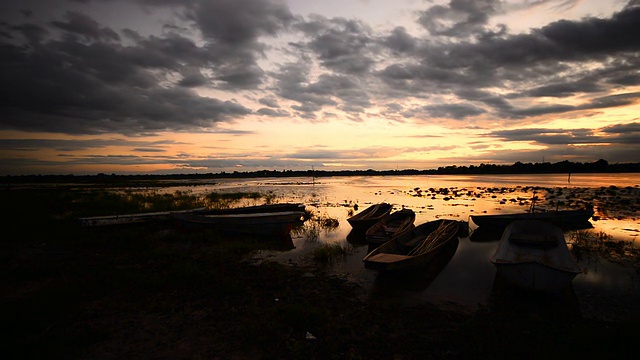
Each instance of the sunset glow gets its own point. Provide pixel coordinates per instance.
(138, 87)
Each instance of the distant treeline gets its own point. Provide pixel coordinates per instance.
(563, 167)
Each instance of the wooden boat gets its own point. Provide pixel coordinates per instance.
(565, 219)
(414, 248)
(133, 218)
(363, 220)
(259, 223)
(397, 222)
(166, 215)
(533, 255)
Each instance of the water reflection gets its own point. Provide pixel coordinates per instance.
(483, 234)
(508, 299)
(357, 237)
(390, 284)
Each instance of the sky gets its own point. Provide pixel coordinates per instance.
(210, 86)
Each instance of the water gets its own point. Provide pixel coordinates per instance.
(609, 287)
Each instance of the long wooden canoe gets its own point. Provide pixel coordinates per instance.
(264, 223)
(132, 218)
(564, 219)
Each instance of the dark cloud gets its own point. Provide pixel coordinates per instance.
(399, 41)
(342, 45)
(87, 81)
(564, 89)
(292, 83)
(233, 29)
(86, 27)
(622, 128)
(66, 72)
(550, 136)
(596, 36)
(553, 61)
(455, 111)
(460, 18)
(273, 112)
(238, 22)
(614, 137)
(271, 102)
(74, 145)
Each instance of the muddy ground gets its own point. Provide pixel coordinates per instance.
(153, 292)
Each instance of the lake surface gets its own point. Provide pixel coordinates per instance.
(608, 288)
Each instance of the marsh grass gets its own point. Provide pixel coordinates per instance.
(327, 253)
(314, 224)
(592, 247)
(223, 200)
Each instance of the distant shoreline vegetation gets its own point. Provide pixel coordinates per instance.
(563, 167)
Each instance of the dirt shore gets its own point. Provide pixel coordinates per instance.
(148, 292)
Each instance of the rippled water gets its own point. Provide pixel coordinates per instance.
(608, 288)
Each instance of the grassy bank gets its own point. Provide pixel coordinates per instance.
(150, 291)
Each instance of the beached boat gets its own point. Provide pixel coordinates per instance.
(363, 220)
(415, 248)
(565, 219)
(133, 218)
(533, 255)
(259, 223)
(397, 222)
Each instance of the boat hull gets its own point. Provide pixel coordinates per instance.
(565, 219)
(393, 224)
(369, 216)
(272, 224)
(533, 255)
(132, 218)
(535, 277)
(394, 255)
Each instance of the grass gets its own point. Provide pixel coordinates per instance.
(326, 253)
(314, 224)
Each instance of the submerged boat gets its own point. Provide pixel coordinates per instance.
(533, 255)
(415, 248)
(363, 220)
(393, 224)
(564, 219)
(259, 223)
(133, 218)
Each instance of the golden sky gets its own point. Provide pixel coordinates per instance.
(138, 86)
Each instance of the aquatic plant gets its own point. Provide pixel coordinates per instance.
(313, 224)
(593, 247)
(329, 252)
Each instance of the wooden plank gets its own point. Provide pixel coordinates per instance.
(387, 258)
